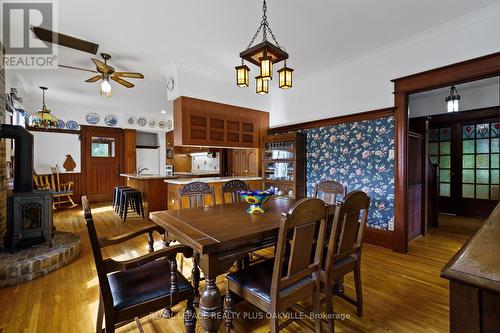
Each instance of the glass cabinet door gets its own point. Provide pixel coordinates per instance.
(279, 171)
(279, 150)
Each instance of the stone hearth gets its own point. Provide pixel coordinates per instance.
(31, 263)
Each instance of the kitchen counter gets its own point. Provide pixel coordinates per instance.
(196, 174)
(184, 181)
(147, 176)
(174, 185)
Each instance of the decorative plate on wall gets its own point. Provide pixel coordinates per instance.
(92, 118)
(60, 123)
(72, 125)
(142, 121)
(162, 124)
(169, 124)
(111, 120)
(131, 120)
(152, 123)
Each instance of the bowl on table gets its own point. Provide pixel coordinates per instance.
(255, 199)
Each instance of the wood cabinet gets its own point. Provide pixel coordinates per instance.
(129, 151)
(243, 162)
(204, 123)
(283, 164)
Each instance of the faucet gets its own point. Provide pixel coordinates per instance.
(141, 170)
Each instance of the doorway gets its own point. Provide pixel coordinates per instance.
(101, 161)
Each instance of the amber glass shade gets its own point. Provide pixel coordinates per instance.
(42, 119)
(242, 73)
(285, 77)
(262, 86)
(266, 68)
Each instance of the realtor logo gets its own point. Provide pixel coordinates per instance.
(23, 50)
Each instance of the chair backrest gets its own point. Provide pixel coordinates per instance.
(96, 250)
(302, 222)
(349, 221)
(196, 193)
(330, 191)
(44, 182)
(231, 189)
(55, 172)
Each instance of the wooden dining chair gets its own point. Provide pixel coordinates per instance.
(137, 287)
(231, 188)
(343, 254)
(276, 285)
(330, 191)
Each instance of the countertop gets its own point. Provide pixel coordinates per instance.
(146, 176)
(196, 173)
(185, 181)
(477, 261)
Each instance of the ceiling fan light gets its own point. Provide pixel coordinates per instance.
(261, 85)
(285, 77)
(242, 76)
(105, 88)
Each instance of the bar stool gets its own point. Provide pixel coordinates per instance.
(131, 199)
(116, 196)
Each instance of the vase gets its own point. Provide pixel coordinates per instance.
(69, 163)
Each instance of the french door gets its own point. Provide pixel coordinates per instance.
(468, 157)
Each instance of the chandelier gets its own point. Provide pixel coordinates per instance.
(43, 118)
(264, 55)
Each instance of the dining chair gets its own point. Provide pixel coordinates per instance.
(330, 191)
(195, 194)
(276, 285)
(343, 254)
(137, 287)
(231, 188)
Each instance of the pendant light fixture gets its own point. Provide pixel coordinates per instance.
(43, 118)
(264, 55)
(105, 89)
(452, 100)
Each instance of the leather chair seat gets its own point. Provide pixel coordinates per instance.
(257, 280)
(342, 266)
(143, 283)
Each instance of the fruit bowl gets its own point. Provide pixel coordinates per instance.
(255, 199)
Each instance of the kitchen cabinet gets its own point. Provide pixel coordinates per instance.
(244, 162)
(203, 123)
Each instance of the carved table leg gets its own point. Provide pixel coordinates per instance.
(196, 279)
(210, 307)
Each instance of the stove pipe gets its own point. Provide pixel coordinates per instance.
(23, 164)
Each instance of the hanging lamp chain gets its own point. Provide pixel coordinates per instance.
(264, 27)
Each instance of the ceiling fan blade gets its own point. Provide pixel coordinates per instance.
(94, 78)
(65, 40)
(101, 67)
(122, 81)
(79, 69)
(129, 74)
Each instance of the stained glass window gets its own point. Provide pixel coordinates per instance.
(440, 153)
(480, 166)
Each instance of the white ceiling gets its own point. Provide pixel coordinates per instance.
(150, 36)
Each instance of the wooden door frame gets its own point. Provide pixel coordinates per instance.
(470, 70)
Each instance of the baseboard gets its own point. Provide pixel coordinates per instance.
(378, 237)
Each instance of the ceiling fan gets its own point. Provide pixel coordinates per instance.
(106, 72)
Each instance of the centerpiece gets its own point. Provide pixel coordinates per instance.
(256, 199)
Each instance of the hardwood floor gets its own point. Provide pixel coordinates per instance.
(402, 293)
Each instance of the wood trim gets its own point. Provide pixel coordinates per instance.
(378, 237)
(470, 70)
(462, 116)
(52, 130)
(368, 115)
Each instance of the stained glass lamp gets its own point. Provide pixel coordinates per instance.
(43, 118)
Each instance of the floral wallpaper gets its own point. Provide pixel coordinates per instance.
(359, 155)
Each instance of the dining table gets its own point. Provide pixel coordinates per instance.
(220, 235)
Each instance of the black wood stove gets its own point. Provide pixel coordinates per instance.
(29, 213)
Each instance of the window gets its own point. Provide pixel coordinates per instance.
(480, 166)
(440, 153)
(102, 147)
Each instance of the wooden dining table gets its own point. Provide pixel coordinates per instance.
(221, 235)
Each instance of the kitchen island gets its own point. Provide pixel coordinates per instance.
(153, 188)
(217, 182)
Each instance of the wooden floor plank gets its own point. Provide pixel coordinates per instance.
(402, 293)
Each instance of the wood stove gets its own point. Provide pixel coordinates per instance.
(29, 213)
